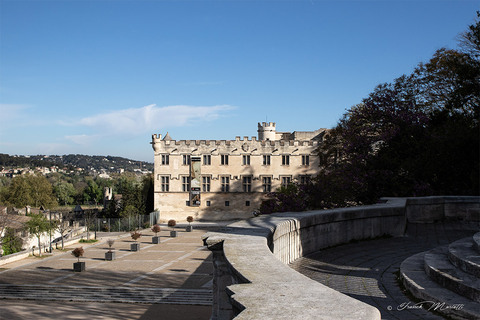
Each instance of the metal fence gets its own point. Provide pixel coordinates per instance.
(120, 224)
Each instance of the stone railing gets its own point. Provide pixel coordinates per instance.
(253, 281)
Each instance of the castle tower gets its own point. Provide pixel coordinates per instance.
(266, 131)
(107, 196)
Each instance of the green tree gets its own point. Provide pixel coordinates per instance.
(65, 192)
(64, 226)
(131, 190)
(11, 243)
(129, 211)
(38, 225)
(147, 193)
(93, 192)
(29, 190)
(112, 210)
(416, 136)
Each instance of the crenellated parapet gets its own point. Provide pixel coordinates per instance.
(235, 174)
(239, 145)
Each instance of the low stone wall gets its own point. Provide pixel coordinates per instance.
(253, 281)
(431, 209)
(26, 253)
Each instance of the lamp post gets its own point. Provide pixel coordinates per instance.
(50, 231)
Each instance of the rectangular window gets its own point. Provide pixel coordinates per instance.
(224, 159)
(186, 160)
(165, 183)
(304, 179)
(286, 181)
(246, 160)
(285, 160)
(227, 203)
(185, 184)
(266, 160)
(305, 160)
(165, 159)
(187, 203)
(208, 203)
(207, 160)
(247, 203)
(267, 184)
(206, 184)
(247, 184)
(225, 181)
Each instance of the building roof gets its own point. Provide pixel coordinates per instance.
(13, 221)
(167, 137)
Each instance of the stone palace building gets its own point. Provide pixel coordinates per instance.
(227, 179)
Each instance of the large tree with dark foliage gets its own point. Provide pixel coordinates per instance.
(416, 136)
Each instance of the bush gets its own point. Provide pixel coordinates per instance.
(135, 235)
(88, 241)
(110, 243)
(172, 223)
(78, 252)
(156, 229)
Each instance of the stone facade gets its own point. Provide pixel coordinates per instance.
(235, 175)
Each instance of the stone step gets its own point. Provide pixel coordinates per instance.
(441, 270)
(476, 241)
(463, 255)
(432, 295)
(108, 294)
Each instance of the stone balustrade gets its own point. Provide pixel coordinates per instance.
(253, 281)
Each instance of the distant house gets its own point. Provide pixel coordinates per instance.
(15, 222)
(78, 211)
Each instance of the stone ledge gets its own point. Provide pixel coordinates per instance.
(251, 275)
(431, 209)
(462, 254)
(416, 281)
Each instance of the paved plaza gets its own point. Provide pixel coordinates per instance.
(170, 280)
(368, 270)
(173, 279)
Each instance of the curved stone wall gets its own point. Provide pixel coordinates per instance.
(253, 281)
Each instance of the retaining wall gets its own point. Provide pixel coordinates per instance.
(253, 281)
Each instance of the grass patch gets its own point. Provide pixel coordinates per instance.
(43, 256)
(88, 241)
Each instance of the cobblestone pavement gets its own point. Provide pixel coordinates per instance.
(167, 278)
(367, 270)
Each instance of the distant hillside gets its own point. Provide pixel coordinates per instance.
(107, 163)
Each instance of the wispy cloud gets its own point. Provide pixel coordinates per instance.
(82, 139)
(10, 112)
(102, 133)
(152, 118)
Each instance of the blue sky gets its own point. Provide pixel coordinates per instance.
(99, 77)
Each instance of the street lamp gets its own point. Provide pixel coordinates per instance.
(50, 231)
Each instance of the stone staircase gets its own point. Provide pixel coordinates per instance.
(107, 294)
(447, 278)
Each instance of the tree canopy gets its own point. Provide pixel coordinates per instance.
(29, 190)
(37, 226)
(416, 136)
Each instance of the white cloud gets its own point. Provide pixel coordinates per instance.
(152, 118)
(10, 112)
(81, 139)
